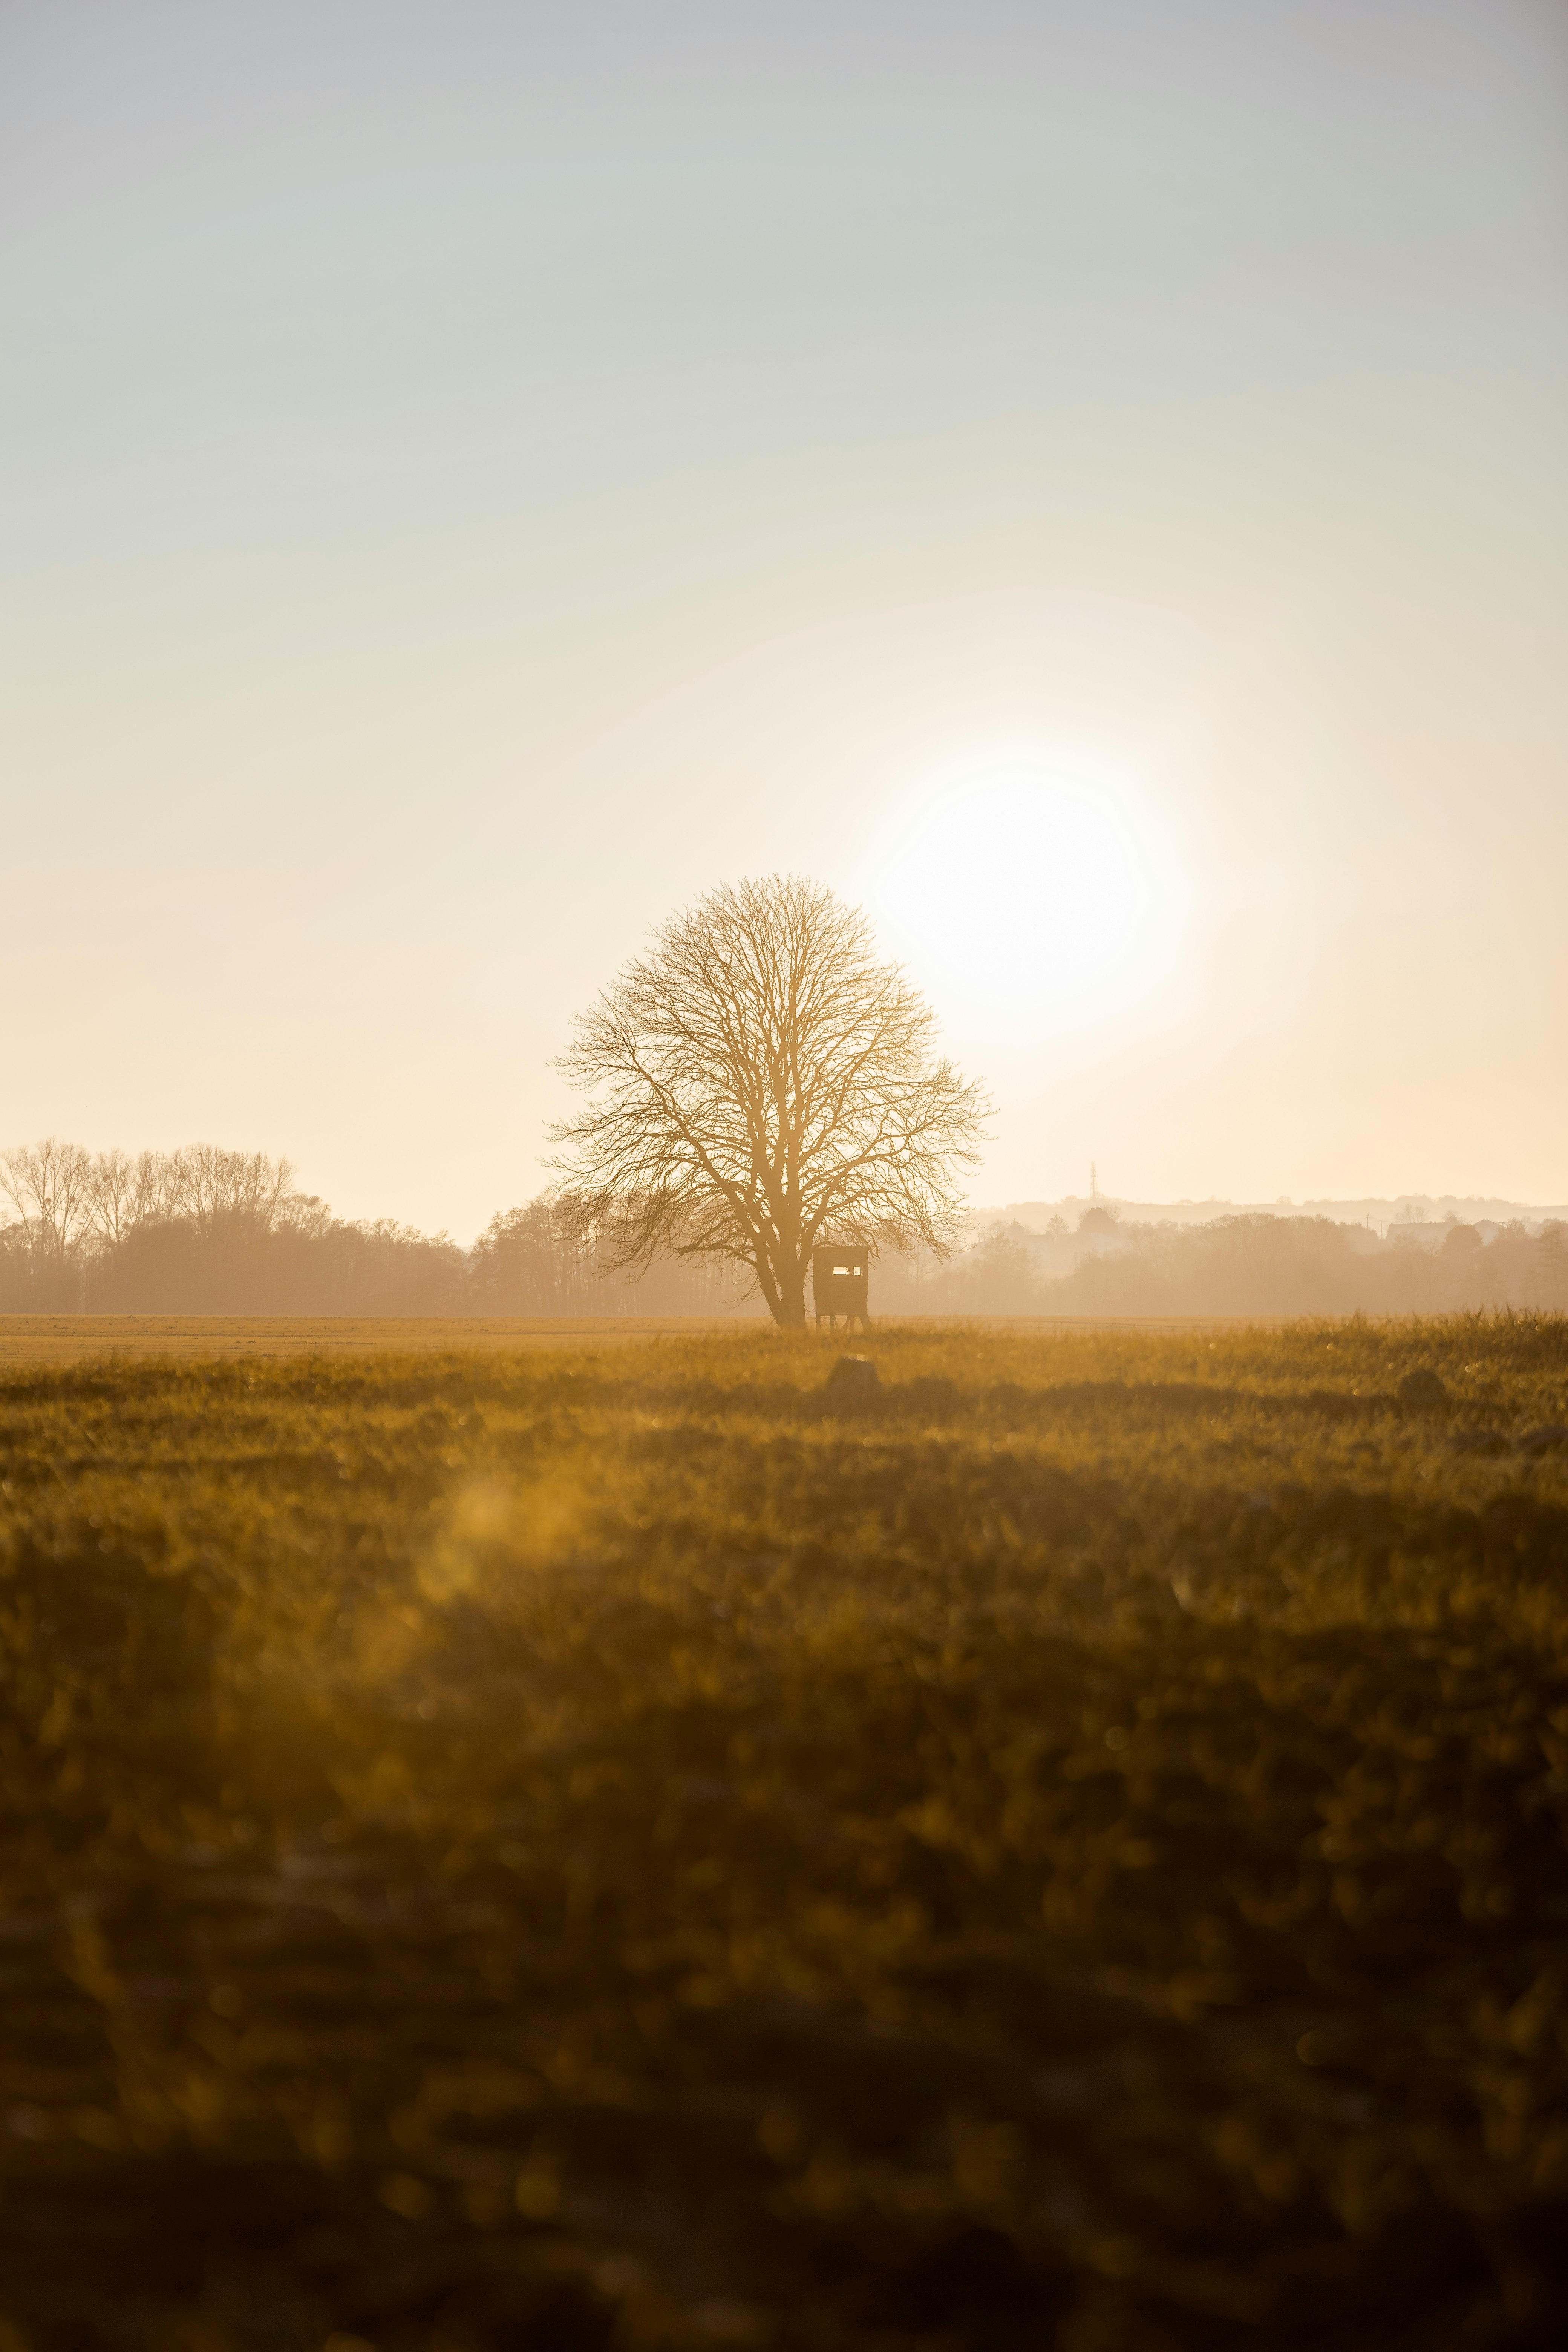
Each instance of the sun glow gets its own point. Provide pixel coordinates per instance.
(1020, 886)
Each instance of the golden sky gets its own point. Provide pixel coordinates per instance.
(1090, 483)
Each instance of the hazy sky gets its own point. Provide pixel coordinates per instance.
(1088, 481)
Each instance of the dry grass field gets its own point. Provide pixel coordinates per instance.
(560, 1848)
(40, 1339)
(27, 1340)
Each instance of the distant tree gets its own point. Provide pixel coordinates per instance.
(214, 1187)
(49, 1185)
(1000, 1276)
(759, 1082)
(124, 1194)
(1099, 1219)
(531, 1261)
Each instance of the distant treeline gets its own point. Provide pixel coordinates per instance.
(1248, 1265)
(209, 1231)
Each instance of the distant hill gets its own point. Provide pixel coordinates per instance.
(1407, 1208)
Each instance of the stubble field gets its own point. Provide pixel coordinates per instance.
(30, 1342)
(558, 1850)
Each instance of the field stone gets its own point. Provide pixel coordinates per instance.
(852, 1379)
(1422, 1386)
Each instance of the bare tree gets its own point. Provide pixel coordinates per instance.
(123, 1194)
(759, 1082)
(112, 1197)
(214, 1187)
(49, 1187)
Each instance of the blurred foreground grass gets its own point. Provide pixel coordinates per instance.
(558, 1852)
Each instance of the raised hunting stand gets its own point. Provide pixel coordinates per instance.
(840, 1275)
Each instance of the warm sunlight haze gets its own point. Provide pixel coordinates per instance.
(1024, 894)
(476, 476)
(783, 1176)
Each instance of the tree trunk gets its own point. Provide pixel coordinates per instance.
(790, 1312)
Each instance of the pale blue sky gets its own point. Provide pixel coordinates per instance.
(472, 476)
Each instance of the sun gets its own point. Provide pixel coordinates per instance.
(1019, 887)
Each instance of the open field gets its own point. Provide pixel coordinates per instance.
(29, 1339)
(565, 1848)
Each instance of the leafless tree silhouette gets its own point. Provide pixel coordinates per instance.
(49, 1187)
(760, 1081)
(124, 1194)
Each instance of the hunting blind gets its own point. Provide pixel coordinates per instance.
(840, 1281)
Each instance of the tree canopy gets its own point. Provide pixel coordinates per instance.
(761, 1081)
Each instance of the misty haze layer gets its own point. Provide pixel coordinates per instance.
(209, 1231)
